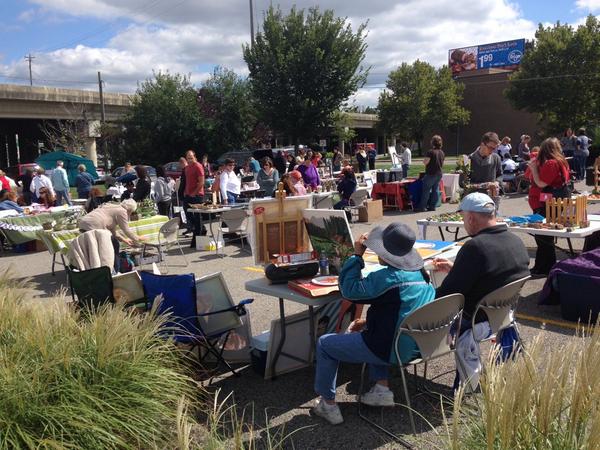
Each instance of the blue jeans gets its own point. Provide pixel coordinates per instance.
(405, 168)
(335, 348)
(580, 161)
(60, 195)
(231, 198)
(429, 193)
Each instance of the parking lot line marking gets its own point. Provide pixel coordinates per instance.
(254, 269)
(558, 323)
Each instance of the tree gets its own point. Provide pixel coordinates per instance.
(558, 78)
(340, 127)
(302, 69)
(225, 103)
(419, 99)
(164, 120)
(69, 135)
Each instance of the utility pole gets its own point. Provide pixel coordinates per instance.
(251, 24)
(103, 122)
(29, 58)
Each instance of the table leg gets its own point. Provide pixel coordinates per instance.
(455, 233)
(281, 340)
(212, 234)
(442, 233)
(570, 247)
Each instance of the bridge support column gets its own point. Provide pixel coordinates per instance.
(90, 150)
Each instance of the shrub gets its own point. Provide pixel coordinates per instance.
(101, 381)
(547, 398)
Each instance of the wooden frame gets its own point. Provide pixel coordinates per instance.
(212, 294)
(569, 212)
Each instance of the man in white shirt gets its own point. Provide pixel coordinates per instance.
(406, 159)
(60, 182)
(39, 181)
(229, 184)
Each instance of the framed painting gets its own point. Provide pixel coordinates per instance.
(212, 294)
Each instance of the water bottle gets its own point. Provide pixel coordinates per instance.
(324, 265)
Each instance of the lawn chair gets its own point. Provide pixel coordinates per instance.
(183, 324)
(236, 221)
(429, 326)
(357, 199)
(168, 236)
(93, 288)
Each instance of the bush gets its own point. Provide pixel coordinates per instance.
(103, 381)
(546, 398)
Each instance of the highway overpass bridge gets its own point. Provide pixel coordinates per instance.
(24, 108)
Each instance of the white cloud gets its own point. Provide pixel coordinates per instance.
(590, 5)
(191, 36)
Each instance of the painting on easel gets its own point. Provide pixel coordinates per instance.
(276, 227)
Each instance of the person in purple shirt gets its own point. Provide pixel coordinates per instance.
(310, 175)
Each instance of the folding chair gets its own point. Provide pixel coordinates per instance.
(499, 306)
(183, 325)
(236, 221)
(429, 326)
(357, 199)
(93, 287)
(168, 235)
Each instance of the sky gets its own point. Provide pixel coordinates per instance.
(128, 40)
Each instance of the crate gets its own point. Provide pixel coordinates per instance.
(371, 211)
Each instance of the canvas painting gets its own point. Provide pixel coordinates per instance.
(212, 295)
(329, 234)
(127, 288)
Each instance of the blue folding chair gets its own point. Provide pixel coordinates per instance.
(183, 326)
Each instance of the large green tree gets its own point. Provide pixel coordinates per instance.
(303, 67)
(226, 105)
(420, 99)
(164, 120)
(559, 76)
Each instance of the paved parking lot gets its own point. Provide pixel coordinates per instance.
(286, 400)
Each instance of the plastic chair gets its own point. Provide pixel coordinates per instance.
(236, 221)
(356, 200)
(93, 287)
(183, 326)
(168, 235)
(429, 326)
(499, 306)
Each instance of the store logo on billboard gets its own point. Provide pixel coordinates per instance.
(515, 56)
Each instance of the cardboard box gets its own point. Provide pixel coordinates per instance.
(371, 211)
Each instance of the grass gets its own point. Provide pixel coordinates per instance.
(102, 381)
(544, 399)
(106, 380)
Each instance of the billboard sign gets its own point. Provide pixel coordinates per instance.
(506, 55)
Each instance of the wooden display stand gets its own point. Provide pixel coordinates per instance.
(569, 212)
(279, 226)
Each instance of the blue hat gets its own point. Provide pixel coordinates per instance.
(395, 245)
(477, 202)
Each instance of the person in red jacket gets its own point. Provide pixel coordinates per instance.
(549, 175)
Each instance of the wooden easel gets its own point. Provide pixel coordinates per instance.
(285, 216)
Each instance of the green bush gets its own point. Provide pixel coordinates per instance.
(103, 381)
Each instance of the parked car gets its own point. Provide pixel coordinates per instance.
(239, 156)
(17, 171)
(121, 171)
(172, 169)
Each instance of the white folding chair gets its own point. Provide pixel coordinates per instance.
(499, 306)
(168, 236)
(430, 327)
(236, 221)
(357, 199)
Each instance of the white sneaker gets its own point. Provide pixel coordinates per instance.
(331, 413)
(378, 396)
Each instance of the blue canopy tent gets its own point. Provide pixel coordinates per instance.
(71, 161)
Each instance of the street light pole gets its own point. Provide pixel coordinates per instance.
(251, 23)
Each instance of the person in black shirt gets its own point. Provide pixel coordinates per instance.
(434, 163)
(142, 187)
(492, 258)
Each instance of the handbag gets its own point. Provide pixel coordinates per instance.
(283, 274)
(563, 191)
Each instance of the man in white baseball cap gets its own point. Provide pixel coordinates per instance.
(492, 258)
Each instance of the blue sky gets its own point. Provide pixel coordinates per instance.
(128, 39)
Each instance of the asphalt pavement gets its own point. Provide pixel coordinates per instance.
(284, 403)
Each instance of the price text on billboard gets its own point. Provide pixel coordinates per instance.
(505, 54)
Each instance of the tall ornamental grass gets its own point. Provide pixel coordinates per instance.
(96, 382)
(547, 398)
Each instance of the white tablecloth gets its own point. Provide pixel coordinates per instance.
(451, 186)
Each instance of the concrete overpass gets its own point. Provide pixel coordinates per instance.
(23, 108)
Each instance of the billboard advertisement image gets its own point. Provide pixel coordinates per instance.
(505, 55)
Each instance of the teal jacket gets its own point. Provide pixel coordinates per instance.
(393, 294)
